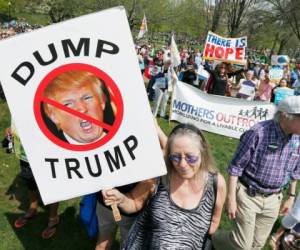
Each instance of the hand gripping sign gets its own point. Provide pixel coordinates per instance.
(80, 107)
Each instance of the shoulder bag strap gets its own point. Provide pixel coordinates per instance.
(215, 186)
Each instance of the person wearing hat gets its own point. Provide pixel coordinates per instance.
(266, 160)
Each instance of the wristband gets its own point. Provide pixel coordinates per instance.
(292, 195)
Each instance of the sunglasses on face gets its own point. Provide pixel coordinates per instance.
(190, 159)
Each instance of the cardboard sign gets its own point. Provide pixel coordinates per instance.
(76, 110)
(217, 114)
(231, 50)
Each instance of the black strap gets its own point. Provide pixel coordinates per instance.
(207, 244)
(215, 186)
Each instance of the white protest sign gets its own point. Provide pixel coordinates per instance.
(160, 83)
(275, 74)
(224, 49)
(280, 60)
(75, 105)
(247, 90)
(221, 115)
(203, 74)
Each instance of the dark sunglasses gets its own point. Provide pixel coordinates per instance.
(190, 159)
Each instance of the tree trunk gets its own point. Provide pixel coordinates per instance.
(274, 44)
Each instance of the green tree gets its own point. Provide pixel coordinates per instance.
(236, 11)
(289, 10)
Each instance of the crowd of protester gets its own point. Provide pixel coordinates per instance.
(14, 27)
(182, 210)
(224, 78)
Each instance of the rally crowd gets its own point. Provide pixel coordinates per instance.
(14, 27)
(182, 210)
(252, 82)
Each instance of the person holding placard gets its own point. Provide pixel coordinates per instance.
(281, 91)
(264, 91)
(163, 86)
(185, 205)
(220, 77)
(247, 87)
(110, 218)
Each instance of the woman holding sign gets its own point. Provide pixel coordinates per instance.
(185, 205)
(265, 89)
(247, 87)
(220, 77)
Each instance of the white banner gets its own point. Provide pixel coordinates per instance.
(232, 50)
(75, 107)
(217, 114)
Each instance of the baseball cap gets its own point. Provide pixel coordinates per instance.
(290, 105)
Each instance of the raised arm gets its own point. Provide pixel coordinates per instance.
(161, 136)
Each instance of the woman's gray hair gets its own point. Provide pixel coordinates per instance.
(288, 116)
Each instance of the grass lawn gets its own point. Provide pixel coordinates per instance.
(70, 233)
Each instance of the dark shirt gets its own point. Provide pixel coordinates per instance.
(189, 77)
(220, 82)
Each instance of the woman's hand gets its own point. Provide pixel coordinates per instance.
(112, 196)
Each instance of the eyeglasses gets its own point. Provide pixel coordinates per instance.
(190, 159)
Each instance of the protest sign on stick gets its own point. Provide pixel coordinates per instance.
(74, 108)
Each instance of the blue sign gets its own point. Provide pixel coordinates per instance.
(282, 93)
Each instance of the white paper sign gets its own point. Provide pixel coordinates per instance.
(280, 60)
(75, 105)
(276, 74)
(232, 50)
(202, 72)
(221, 115)
(247, 90)
(160, 83)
